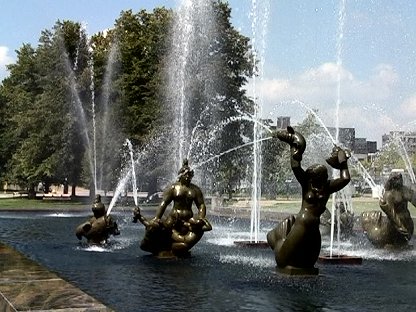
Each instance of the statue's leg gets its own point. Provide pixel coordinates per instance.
(182, 243)
(400, 219)
(371, 219)
(277, 236)
(377, 228)
(156, 239)
(82, 230)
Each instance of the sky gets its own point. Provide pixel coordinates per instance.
(352, 60)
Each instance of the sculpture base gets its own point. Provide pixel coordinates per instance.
(252, 244)
(290, 270)
(391, 247)
(168, 254)
(340, 259)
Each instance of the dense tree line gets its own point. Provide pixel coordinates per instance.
(69, 104)
(115, 78)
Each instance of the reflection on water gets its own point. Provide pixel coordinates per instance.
(218, 277)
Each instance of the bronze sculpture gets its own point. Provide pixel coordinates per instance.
(346, 221)
(176, 234)
(296, 241)
(395, 228)
(99, 227)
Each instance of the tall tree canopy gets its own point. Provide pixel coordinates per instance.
(69, 104)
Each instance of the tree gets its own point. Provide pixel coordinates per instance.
(141, 39)
(19, 92)
(275, 167)
(38, 95)
(68, 72)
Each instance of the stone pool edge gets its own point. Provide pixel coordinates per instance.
(27, 286)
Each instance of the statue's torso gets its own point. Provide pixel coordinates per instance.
(314, 201)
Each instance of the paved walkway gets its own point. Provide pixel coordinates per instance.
(27, 286)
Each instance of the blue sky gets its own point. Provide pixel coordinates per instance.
(305, 51)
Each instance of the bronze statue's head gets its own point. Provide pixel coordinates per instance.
(395, 181)
(97, 198)
(317, 173)
(185, 173)
(98, 207)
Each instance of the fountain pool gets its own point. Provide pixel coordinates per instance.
(218, 277)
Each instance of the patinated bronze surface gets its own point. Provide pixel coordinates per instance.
(296, 241)
(176, 234)
(395, 227)
(346, 221)
(99, 227)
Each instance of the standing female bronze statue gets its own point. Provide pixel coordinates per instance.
(296, 241)
(176, 234)
(395, 229)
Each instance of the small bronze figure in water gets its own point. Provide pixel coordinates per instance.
(99, 227)
(395, 228)
(296, 241)
(345, 220)
(176, 234)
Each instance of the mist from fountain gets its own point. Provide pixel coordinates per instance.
(79, 109)
(193, 30)
(94, 122)
(133, 172)
(203, 155)
(397, 140)
(259, 16)
(91, 140)
(107, 89)
(121, 186)
(228, 151)
(339, 46)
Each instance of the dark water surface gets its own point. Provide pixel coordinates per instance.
(218, 277)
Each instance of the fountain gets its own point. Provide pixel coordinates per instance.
(259, 30)
(97, 130)
(126, 278)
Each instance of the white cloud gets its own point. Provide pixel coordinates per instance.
(408, 107)
(319, 85)
(5, 59)
(362, 102)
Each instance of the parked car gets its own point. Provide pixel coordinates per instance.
(155, 198)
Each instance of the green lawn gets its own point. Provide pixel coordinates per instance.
(25, 204)
(359, 204)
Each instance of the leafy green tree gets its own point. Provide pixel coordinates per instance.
(275, 167)
(5, 142)
(233, 56)
(38, 96)
(54, 91)
(19, 92)
(141, 41)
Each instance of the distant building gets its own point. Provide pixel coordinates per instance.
(360, 146)
(346, 136)
(268, 123)
(364, 150)
(283, 122)
(408, 139)
(371, 147)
